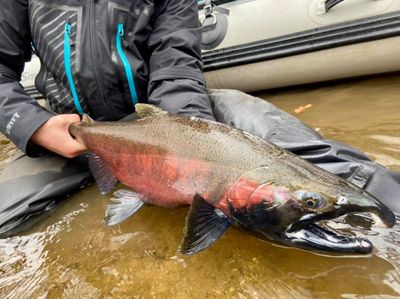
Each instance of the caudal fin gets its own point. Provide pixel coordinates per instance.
(86, 118)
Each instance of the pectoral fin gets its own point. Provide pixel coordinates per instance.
(125, 205)
(102, 174)
(204, 225)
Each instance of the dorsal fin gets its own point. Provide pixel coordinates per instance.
(147, 110)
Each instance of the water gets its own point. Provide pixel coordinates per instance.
(73, 255)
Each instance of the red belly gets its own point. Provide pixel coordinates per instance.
(166, 181)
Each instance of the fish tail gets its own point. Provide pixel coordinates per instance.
(75, 130)
(86, 118)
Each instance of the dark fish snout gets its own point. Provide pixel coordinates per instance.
(365, 202)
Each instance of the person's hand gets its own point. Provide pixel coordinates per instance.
(54, 136)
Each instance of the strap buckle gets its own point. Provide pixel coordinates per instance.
(208, 11)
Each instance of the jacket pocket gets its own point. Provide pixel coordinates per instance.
(130, 30)
(55, 31)
(127, 67)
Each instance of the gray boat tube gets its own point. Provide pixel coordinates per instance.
(32, 187)
(313, 40)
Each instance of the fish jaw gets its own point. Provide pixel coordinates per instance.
(276, 214)
(305, 235)
(314, 237)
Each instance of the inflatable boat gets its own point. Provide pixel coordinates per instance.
(252, 45)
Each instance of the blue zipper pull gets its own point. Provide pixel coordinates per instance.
(125, 62)
(121, 30)
(68, 29)
(67, 65)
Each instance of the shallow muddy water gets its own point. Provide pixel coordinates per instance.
(71, 254)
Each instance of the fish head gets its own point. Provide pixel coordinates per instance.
(286, 209)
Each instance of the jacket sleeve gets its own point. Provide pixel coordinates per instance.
(20, 115)
(176, 82)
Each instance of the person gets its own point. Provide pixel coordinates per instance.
(100, 58)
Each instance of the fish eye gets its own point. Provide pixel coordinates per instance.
(311, 203)
(310, 200)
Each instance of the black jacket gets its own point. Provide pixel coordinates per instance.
(99, 57)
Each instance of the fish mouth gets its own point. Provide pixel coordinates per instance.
(307, 233)
(313, 237)
(325, 241)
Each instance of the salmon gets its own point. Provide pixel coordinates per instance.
(227, 177)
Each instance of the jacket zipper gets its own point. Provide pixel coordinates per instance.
(93, 48)
(67, 65)
(125, 62)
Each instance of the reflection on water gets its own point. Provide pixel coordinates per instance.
(72, 254)
(362, 113)
(7, 151)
